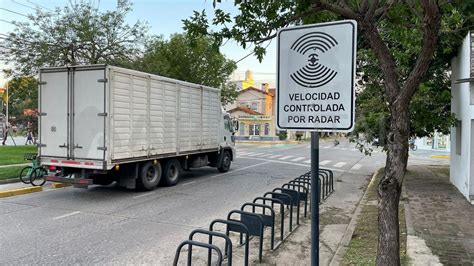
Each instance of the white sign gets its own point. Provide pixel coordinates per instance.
(316, 76)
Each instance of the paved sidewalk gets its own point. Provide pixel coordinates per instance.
(439, 215)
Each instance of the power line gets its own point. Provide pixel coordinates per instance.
(31, 2)
(14, 12)
(253, 52)
(21, 4)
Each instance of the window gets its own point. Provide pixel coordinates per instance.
(241, 129)
(254, 130)
(267, 129)
(253, 106)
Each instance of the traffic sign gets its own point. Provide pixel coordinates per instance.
(316, 76)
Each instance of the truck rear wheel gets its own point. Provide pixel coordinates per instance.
(150, 175)
(225, 164)
(171, 173)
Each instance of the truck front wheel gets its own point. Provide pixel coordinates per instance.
(225, 164)
(150, 176)
(171, 173)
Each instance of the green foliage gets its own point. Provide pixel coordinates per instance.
(23, 94)
(195, 60)
(77, 34)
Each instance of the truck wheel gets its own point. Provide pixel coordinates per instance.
(171, 173)
(150, 176)
(225, 165)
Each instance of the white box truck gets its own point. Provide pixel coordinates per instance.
(99, 124)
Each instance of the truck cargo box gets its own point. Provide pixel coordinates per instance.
(97, 116)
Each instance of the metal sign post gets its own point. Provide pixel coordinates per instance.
(314, 198)
(315, 90)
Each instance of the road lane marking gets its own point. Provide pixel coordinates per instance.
(265, 155)
(257, 154)
(250, 154)
(309, 146)
(274, 156)
(250, 166)
(339, 164)
(189, 183)
(243, 153)
(307, 161)
(286, 157)
(299, 164)
(298, 159)
(66, 215)
(143, 195)
(324, 162)
(356, 166)
(343, 149)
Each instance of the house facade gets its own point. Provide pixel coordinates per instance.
(462, 105)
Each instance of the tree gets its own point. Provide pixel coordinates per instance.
(399, 37)
(22, 94)
(77, 34)
(195, 60)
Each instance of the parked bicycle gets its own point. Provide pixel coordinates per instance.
(33, 174)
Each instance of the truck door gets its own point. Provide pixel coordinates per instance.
(54, 113)
(89, 113)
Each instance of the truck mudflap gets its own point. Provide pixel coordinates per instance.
(73, 181)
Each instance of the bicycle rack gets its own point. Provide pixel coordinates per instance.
(303, 194)
(287, 200)
(254, 223)
(296, 202)
(235, 226)
(228, 243)
(282, 211)
(192, 243)
(268, 220)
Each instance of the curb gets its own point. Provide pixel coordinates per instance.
(19, 191)
(60, 185)
(447, 157)
(341, 249)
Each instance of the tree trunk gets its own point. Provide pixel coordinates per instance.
(389, 188)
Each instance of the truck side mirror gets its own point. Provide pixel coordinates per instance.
(235, 125)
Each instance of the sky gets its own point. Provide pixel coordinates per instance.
(164, 18)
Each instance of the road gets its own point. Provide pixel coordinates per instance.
(115, 225)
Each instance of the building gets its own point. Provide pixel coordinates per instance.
(462, 105)
(255, 110)
(437, 142)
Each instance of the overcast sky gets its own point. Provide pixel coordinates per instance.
(164, 18)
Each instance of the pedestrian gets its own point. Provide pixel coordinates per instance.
(29, 137)
(5, 132)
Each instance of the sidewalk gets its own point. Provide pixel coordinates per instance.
(439, 219)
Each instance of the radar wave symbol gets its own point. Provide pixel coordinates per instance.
(313, 74)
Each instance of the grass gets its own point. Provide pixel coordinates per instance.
(14, 154)
(10, 172)
(362, 249)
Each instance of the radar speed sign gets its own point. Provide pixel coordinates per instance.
(316, 75)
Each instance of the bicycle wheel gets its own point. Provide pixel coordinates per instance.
(414, 148)
(38, 176)
(25, 174)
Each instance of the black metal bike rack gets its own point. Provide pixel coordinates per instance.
(295, 195)
(268, 220)
(282, 211)
(254, 223)
(287, 200)
(235, 226)
(211, 234)
(192, 243)
(302, 191)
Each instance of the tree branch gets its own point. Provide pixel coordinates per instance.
(431, 21)
(345, 12)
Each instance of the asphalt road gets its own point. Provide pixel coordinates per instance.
(114, 225)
